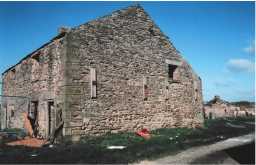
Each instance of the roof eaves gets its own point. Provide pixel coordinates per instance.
(60, 35)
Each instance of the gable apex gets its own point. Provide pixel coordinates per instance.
(132, 11)
(127, 11)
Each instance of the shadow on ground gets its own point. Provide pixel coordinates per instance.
(244, 154)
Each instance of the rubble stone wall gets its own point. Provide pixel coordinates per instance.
(133, 87)
(36, 78)
(125, 48)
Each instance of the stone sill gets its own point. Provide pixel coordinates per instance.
(174, 81)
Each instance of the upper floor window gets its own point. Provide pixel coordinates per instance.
(13, 70)
(36, 57)
(13, 73)
(171, 70)
(172, 65)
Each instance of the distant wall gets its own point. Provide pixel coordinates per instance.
(224, 109)
(220, 110)
(36, 78)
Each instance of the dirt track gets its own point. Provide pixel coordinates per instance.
(190, 155)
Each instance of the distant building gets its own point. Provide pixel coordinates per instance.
(116, 73)
(217, 108)
(0, 116)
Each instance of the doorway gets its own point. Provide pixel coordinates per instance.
(51, 115)
(33, 117)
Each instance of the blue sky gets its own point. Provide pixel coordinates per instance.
(216, 38)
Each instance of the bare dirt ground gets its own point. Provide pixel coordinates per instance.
(28, 142)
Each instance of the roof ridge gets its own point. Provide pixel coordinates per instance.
(136, 5)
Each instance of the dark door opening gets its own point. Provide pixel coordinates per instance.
(32, 115)
(50, 117)
(6, 118)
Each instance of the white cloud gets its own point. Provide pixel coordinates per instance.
(240, 65)
(250, 48)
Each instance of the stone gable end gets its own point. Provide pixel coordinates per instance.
(116, 73)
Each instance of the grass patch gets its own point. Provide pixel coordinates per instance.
(11, 134)
(14, 130)
(164, 141)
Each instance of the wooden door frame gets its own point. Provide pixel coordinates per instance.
(50, 118)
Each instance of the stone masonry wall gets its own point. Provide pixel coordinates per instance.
(125, 48)
(36, 78)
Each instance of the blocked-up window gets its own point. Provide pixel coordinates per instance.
(166, 93)
(35, 68)
(93, 82)
(145, 88)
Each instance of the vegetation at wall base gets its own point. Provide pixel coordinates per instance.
(164, 141)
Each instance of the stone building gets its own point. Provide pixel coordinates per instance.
(116, 73)
(217, 108)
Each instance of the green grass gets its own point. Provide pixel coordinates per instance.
(15, 132)
(163, 142)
